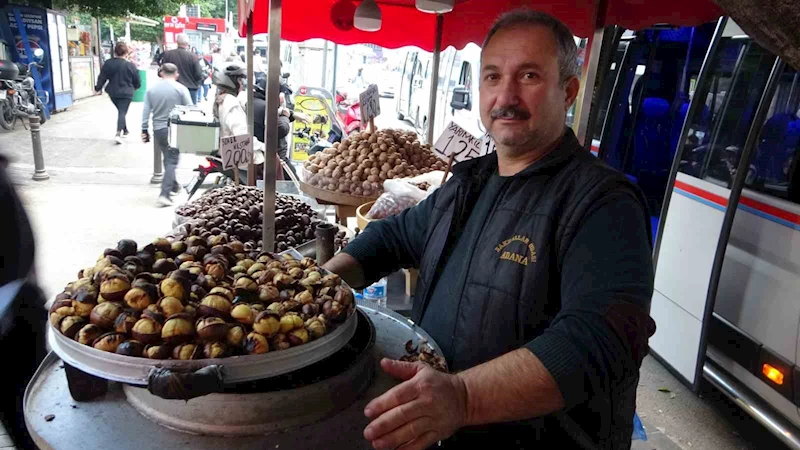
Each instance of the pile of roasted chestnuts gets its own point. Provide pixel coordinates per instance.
(200, 297)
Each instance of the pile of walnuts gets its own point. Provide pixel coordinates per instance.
(363, 161)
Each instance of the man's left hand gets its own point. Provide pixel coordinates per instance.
(425, 408)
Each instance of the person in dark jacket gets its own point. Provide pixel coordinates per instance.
(120, 78)
(285, 119)
(188, 65)
(535, 273)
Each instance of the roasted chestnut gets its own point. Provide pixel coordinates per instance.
(215, 350)
(304, 298)
(236, 336)
(282, 281)
(109, 342)
(83, 303)
(331, 280)
(88, 334)
(177, 247)
(63, 307)
(125, 322)
(154, 312)
(289, 322)
(105, 314)
(56, 318)
(267, 323)
(131, 348)
(215, 271)
(268, 294)
(115, 287)
(157, 351)
(215, 305)
(70, 325)
(225, 292)
(126, 247)
(162, 245)
(310, 310)
(243, 313)
(344, 296)
(256, 344)
(245, 284)
(172, 287)
(187, 352)
(296, 273)
(177, 329)
(280, 342)
(316, 328)
(257, 267)
(333, 310)
(141, 296)
(164, 266)
(298, 336)
(170, 305)
(147, 331)
(211, 329)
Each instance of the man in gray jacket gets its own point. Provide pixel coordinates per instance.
(159, 101)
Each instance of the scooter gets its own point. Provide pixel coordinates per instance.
(348, 111)
(18, 96)
(213, 164)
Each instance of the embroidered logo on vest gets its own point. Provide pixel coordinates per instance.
(527, 256)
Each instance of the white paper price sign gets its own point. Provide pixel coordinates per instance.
(459, 144)
(236, 151)
(370, 103)
(487, 144)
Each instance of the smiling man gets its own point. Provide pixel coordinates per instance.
(535, 273)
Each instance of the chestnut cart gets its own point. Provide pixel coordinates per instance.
(317, 406)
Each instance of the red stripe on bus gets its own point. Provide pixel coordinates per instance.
(718, 199)
(771, 210)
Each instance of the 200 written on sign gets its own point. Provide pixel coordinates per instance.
(236, 158)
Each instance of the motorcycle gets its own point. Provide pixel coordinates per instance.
(18, 95)
(348, 111)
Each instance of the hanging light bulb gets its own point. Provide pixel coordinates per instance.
(435, 6)
(368, 16)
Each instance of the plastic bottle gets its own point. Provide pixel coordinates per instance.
(376, 292)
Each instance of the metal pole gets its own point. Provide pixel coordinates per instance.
(437, 55)
(335, 66)
(324, 64)
(271, 122)
(251, 168)
(582, 109)
(39, 174)
(158, 171)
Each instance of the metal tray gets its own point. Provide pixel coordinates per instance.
(135, 370)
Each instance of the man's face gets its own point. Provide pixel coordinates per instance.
(522, 101)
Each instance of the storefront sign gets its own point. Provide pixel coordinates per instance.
(207, 27)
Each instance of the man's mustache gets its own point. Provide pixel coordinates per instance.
(510, 113)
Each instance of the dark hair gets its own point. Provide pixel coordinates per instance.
(169, 69)
(121, 49)
(565, 41)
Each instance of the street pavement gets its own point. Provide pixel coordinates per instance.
(99, 192)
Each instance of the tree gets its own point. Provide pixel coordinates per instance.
(108, 9)
(138, 32)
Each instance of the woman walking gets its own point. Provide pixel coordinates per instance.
(122, 80)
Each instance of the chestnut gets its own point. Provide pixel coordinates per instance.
(215, 305)
(172, 287)
(268, 293)
(267, 323)
(236, 336)
(147, 331)
(304, 298)
(215, 350)
(282, 281)
(243, 313)
(115, 287)
(316, 328)
(170, 305)
(126, 247)
(154, 312)
(245, 284)
(141, 296)
(164, 266)
(88, 334)
(257, 267)
(256, 344)
(70, 325)
(344, 296)
(186, 352)
(296, 273)
(130, 348)
(331, 280)
(105, 314)
(298, 336)
(177, 329)
(63, 307)
(162, 245)
(211, 329)
(56, 318)
(280, 342)
(125, 322)
(307, 262)
(157, 351)
(310, 309)
(215, 271)
(333, 310)
(177, 247)
(109, 342)
(225, 292)
(289, 322)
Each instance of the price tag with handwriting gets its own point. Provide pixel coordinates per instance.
(236, 151)
(370, 104)
(458, 143)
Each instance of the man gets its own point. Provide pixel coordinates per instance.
(188, 65)
(285, 118)
(160, 100)
(535, 273)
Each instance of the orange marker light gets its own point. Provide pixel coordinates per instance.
(772, 373)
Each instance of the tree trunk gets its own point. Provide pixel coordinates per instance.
(774, 24)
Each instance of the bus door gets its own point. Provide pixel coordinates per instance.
(406, 82)
(702, 195)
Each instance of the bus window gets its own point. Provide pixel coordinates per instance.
(720, 156)
(604, 94)
(773, 167)
(466, 76)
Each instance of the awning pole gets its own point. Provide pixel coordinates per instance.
(324, 64)
(587, 89)
(251, 168)
(437, 54)
(335, 65)
(271, 122)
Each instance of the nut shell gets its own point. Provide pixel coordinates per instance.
(243, 313)
(177, 329)
(131, 348)
(105, 314)
(290, 322)
(211, 329)
(114, 288)
(88, 334)
(236, 336)
(267, 323)
(256, 344)
(298, 336)
(125, 322)
(109, 342)
(170, 305)
(215, 350)
(147, 331)
(70, 325)
(141, 296)
(215, 305)
(187, 352)
(172, 287)
(157, 351)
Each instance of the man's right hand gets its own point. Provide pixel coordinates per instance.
(145, 136)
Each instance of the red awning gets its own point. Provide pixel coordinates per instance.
(469, 22)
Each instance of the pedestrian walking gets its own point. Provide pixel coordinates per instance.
(188, 65)
(120, 78)
(159, 101)
(207, 69)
